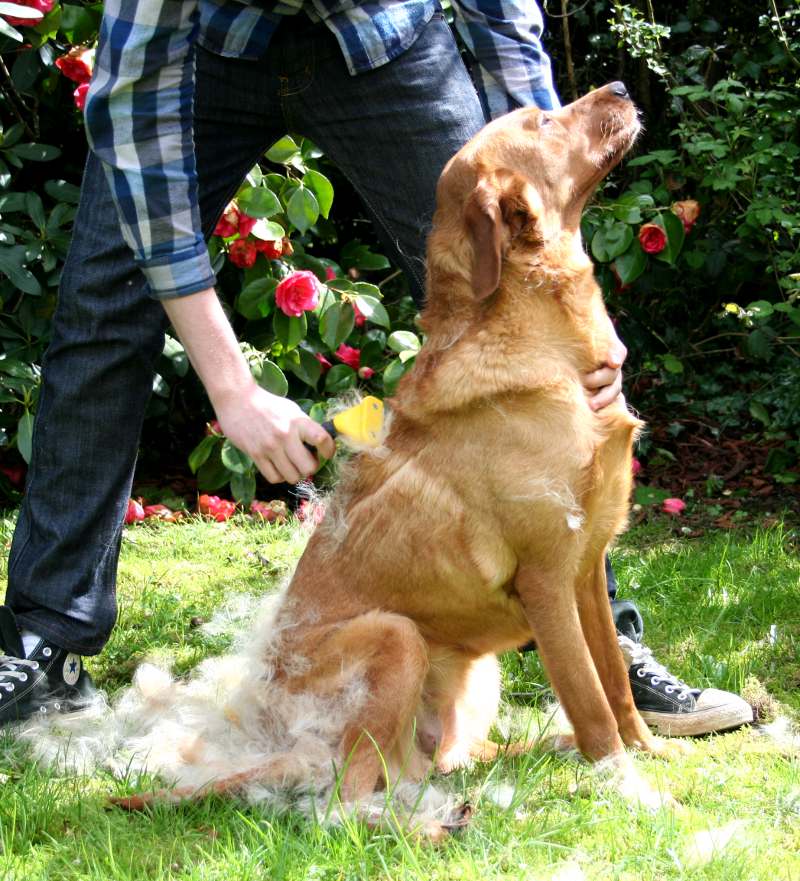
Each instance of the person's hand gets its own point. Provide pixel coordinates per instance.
(604, 385)
(272, 431)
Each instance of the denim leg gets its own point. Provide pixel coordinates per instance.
(97, 378)
(390, 131)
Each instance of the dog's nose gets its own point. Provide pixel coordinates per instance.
(619, 89)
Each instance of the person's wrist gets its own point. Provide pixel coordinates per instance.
(226, 392)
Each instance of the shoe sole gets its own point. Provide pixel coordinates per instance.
(709, 721)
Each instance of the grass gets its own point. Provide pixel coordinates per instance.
(723, 610)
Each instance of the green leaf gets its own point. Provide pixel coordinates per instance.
(12, 264)
(202, 451)
(36, 152)
(243, 487)
(340, 378)
(302, 209)
(272, 379)
(79, 23)
(174, 350)
(759, 411)
(402, 340)
(673, 227)
(671, 363)
(649, 495)
(356, 255)
(25, 435)
(234, 459)
(63, 191)
(254, 300)
(760, 309)
(283, 150)
(611, 240)
(289, 330)
(322, 189)
(35, 209)
(268, 230)
(335, 324)
(631, 264)
(306, 368)
(8, 31)
(392, 375)
(373, 310)
(11, 202)
(259, 202)
(212, 474)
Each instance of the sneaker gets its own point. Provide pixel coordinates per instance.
(50, 679)
(671, 706)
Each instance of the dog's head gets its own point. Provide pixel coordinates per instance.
(521, 183)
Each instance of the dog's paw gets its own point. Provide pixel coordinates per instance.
(458, 757)
(669, 748)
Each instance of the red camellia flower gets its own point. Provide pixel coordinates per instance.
(330, 273)
(162, 512)
(348, 355)
(43, 6)
(360, 316)
(77, 64)
(243, 253)
(14, 473)
(673, 506)
(688, 210)
(366, 372)
(297, 293)
(228, 224)
(214, 506)
(246, 224)
(275, 511)
(271, 250)
(636, 466)
(79, 96)
(652, 238)
(135, 512)
(326, 364)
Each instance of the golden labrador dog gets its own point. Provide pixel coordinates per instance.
(483, 519)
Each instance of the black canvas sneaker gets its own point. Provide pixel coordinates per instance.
(671, 706)
(50, 679)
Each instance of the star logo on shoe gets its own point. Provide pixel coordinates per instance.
(72, 669)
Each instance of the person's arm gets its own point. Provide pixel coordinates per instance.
(511, 67)
(270, 429)
(139, 124)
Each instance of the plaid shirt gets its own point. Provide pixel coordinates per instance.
(139, 106)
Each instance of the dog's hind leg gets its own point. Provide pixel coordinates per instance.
(387, 652)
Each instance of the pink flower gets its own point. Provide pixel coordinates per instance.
(366, 372)
(636, 467)
(135, 512)
(348, 355)
(330, 273)
(673, 506)
(77, 64)
(79, 96)
(326, 364)
(162, 512)
(214, 506)
(243, 253)
(652, 238)
(14, 473)
(43, 6)
(360, 316)
(297, 293)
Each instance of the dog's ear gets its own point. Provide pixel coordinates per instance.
(484, 227)
(497, 212)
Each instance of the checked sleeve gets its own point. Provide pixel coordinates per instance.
(512, 69)
(139, 124)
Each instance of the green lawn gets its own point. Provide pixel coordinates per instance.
(709, 604)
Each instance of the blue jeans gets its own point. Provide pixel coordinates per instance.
(390, 131)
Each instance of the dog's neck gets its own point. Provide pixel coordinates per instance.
(546, 324)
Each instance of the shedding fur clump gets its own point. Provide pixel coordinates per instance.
(231, 716)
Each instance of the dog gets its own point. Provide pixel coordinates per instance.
(482, 520)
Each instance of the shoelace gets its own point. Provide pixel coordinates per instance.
(642, 655)
(8, 670)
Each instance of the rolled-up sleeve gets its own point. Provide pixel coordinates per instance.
(139, 124)
(504, 37)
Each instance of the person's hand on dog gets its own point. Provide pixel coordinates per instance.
(604, 385)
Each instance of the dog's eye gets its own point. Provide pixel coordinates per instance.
(545, 120)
